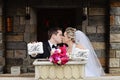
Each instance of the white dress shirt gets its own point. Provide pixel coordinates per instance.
(51, 44)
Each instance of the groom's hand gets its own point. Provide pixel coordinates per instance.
(34, 54)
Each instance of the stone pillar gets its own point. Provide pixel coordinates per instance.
(115, 38)
(2, 58)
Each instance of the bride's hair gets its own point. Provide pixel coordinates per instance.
(71, 33)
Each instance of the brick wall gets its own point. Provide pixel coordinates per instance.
(23, 32)
(94, 27)
(115, 37)
(2, 50)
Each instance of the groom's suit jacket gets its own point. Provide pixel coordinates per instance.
(46, 49)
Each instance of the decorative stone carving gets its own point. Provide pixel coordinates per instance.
(73, 70)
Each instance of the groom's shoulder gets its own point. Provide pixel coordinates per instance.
(45, 43)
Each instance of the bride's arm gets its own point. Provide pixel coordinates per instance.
(79, 46)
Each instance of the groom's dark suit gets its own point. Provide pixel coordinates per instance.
(46, 49)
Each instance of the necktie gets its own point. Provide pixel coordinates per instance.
(53, 46)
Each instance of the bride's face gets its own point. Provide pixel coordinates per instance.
(65, 38)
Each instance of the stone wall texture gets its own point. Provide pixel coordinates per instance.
(23, 31)
(95, 30)
(2, 50)
(114, 37)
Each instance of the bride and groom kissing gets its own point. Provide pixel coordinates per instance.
(76, 41)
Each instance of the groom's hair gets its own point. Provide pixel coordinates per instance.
(53, 30)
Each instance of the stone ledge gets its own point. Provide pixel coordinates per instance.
(21, 75)
(112, 74)
(103, 78)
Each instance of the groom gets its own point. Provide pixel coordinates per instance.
(54, 38)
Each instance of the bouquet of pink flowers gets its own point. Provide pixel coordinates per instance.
(59, 56)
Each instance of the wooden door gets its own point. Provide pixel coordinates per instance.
(47, 18)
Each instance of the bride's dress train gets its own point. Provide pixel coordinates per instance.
(93, 66)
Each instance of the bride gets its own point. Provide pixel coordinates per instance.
(76, 41)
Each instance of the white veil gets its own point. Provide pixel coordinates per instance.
(93, 66)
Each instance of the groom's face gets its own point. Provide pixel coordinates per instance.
(58, 37)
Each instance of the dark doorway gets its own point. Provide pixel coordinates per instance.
(47, 18)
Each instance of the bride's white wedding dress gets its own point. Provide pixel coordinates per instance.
(93, 66)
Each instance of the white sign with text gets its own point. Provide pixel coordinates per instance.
(35, 48)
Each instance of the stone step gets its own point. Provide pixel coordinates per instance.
(103, 78)
(30, 76)
(87, 78)
(17, 78)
